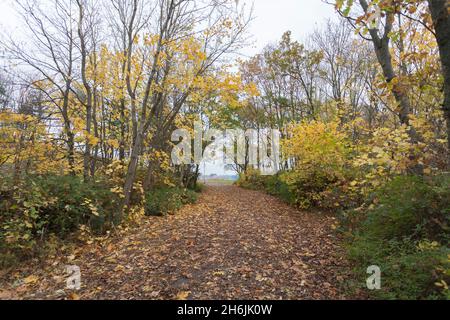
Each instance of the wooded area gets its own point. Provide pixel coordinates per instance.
(92, 91)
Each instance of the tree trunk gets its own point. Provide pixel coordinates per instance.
(94, 158)
(68, 130)
(132, 168)
(87, 149)
(88, 88)
(157, 144)
(122, 131)
(384, 57)
(440, 13)
(71, 151)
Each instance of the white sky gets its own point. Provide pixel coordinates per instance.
(6, 14)
(274, 17)
(271, 19)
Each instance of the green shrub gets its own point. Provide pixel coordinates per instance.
(307, 187)
(306, 190)
(43, 206)
(162, 201)
(273, 185)
(189, 196)
(411, 207)
(406, 233)
(408, 272)
(199, 187)
(252, 179)
(276, 187)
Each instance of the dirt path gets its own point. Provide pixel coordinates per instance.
(233, 244)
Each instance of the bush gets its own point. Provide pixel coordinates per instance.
(406, 233)
(276, 187)
(408, 272)
(273, 185)
(307, 187)
(305, 190)
(189, 197)
(52, 205)
(411, 207)
(199, 188)
(252, 179)
(322, 156)
(162, 201)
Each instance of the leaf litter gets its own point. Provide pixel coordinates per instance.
(232, 244)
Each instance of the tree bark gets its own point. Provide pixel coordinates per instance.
(384, 57)
(88, 88)
(381, 44)
(94, 158)
(440, 13)
(132, 168)
(70, 136)
(122, 131)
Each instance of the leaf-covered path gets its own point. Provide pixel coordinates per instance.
(232, 244)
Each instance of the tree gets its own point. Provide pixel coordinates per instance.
(87, 29)
(50, 52)
(440, 13)
(347, 68)
(382, 43)
(4, 93)
(165, 58)
(439, 10)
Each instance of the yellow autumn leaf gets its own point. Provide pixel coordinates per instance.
(31, 279)
(74, 296)
(183, 295)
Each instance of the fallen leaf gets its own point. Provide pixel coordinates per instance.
(31, 279)
(183, 295)
(74, 296)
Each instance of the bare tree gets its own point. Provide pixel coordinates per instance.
(88, 32)
(51, 52)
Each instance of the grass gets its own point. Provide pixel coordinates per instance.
(218, 182)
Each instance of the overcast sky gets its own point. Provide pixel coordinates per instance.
(274, 17)
(271, 19)
(6, 14)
